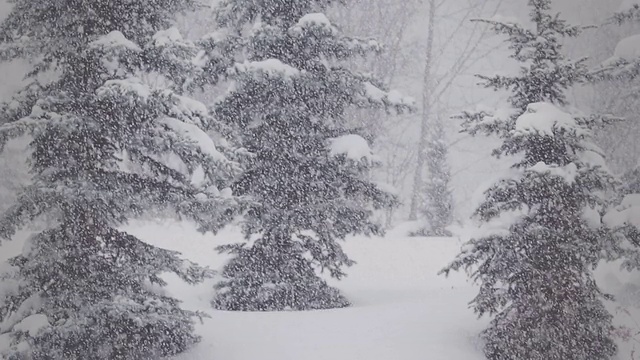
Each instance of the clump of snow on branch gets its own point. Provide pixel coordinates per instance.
(195, 134)
(114, 39)
(124, 87)
(545, 119)
(390, 98)
(592, 217)
(25, 309)
(269, 67)
(33, 324)
(627, 213)
(317, 20)
(492, 116)
(627, 51)
(567, 172)
(167, 37)
(111, 48)
(187, 109)
(354, 147)
(628, 48)
(594, 158)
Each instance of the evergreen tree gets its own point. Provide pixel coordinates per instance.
(536, 276)
(307, 177)
(112, 136)
(437, 198)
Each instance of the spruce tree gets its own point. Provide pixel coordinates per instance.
(112, 135)
(535, 276)
(307, 177)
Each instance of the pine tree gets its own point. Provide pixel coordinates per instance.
(112, 135)
(307, 177)
(535, 276)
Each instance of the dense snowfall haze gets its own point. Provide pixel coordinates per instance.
(320, 179)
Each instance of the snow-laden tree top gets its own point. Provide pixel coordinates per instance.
(293, 88)
(545, 72)
(533, 265)
(64, 26)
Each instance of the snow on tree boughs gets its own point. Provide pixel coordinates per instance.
(535, 273)
(307, 177)
(113, 136)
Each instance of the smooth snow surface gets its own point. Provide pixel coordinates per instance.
(402, 310)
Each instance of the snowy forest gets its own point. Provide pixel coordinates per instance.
(320, 179)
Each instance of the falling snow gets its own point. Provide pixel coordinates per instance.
(185, 180)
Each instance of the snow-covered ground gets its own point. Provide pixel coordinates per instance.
(402, 309)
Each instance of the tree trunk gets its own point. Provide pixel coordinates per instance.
(424, 123)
